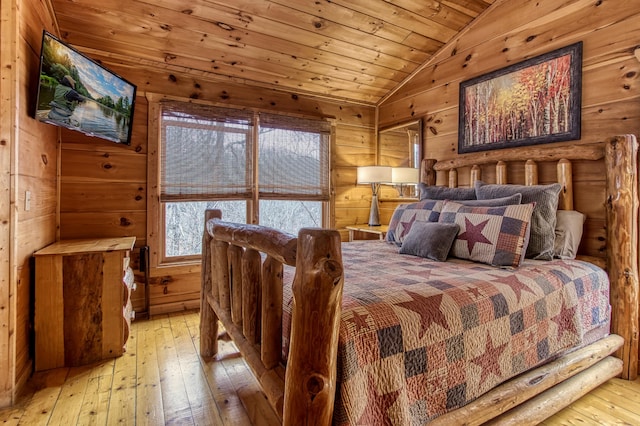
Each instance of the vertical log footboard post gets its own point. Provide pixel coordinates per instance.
(220, 271)
(271, 334)
(235, 279)
(251, 295)
(310, 380)
(208, 319)
(622, 232)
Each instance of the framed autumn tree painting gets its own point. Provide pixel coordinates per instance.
(531, 102)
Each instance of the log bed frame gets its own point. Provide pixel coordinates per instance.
(244, 292)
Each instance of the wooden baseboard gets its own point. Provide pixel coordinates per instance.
(5, 398)
(21, 381)
(167, 308)
(8, 396)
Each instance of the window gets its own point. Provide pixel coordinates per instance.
(290, 215)
(256, 167)
(183, 224)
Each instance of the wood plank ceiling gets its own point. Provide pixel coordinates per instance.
(354, 50)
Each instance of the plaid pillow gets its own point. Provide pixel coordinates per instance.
(406, 214)
(495, 235)
(543, 219)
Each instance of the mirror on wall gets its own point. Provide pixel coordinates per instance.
(401, 145)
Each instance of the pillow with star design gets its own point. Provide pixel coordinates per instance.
(497, 236)
(406, 214)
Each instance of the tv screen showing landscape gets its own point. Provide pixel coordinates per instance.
(77, 93)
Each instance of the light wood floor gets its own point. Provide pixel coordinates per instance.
(162, 380)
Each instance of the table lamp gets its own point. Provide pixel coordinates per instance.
(401, 176)
(375, 175)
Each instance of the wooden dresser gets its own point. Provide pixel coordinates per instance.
(82, 301)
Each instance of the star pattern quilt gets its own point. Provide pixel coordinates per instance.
(419, 338)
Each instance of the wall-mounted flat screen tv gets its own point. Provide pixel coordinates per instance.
(78, 93)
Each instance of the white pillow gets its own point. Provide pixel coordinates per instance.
(569, 226)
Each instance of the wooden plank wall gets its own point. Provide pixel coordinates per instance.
(32, 165)
(104, 188)
(610, 33)
(8, 59)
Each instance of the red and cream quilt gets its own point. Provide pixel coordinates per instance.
(419, 338)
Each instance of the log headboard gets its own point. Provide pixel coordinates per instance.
(542, 166)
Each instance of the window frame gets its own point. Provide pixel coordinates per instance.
(156, 223)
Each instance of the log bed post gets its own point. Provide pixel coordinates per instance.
(622, 232)
(427, 174)
(453, 178)
(565, 179)
(501, 172)
(475, 175)
(530, 173)
(310, 379)
(208, 318)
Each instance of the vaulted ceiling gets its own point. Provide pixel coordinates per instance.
(356, 50)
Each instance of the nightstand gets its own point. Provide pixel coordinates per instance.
(381, 231)
(82, 301)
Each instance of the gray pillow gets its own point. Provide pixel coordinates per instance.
(432, 240)
(445, 193)
(493, 202)
(543, 219)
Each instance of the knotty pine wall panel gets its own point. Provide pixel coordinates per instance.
(105, 224)
(610, 72)
(355, 146)
(35, 170)
(128, 196)
(609, 31)
(108, 196)
(96, 165)
(174, 292)
(103, 185)
(226, 93)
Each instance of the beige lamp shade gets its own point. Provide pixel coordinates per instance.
(404, 175)
(374, 174)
